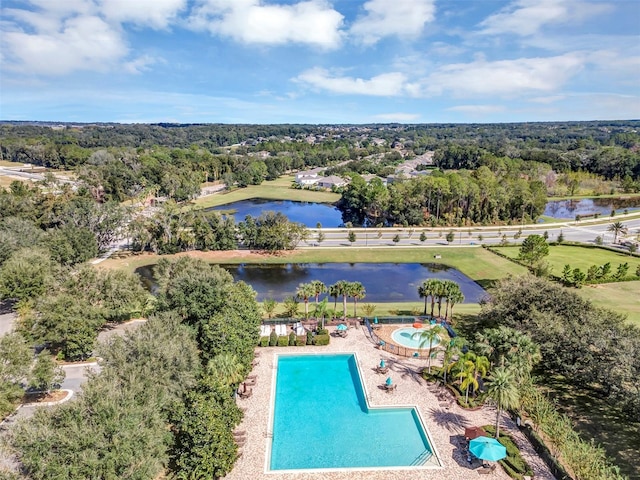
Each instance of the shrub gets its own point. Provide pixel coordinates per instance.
(292, 339)
(264, 341)
(273, 339)
(283, 341)
(323, 331)
(309, 338)
(322, 339)
(301, 340)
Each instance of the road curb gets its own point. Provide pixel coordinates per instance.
(50, 404)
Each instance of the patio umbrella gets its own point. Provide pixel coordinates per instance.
(417, 325)
(474, 432)
(389, 382)
(382, 364)
(375, 319)
(342, 326)
(487, 448)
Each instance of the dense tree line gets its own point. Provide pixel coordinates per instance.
(453, 198)
(594, 348)
(163, 401)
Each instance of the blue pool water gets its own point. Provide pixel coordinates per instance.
(410, 337)
(321, 420)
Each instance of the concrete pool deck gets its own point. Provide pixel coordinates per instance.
(444, 420)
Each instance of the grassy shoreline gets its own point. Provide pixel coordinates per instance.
(278, 189)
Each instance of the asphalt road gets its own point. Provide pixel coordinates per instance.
(585, 232)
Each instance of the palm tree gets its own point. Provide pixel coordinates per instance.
(452, 349)
(440, 291)
(269, 306)
(334, 292)
(428, 338)
(449, 287)
(321, 310)
(318, 289)
(342, 288)
(618, 229)
(456, 297)
(423, 292)
(504, 391)
(430, 288)
(227, 368)
(357, 292)
(507, 347)
(304, 292)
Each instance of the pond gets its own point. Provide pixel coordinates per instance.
(589, 206)
(307, 213)
(384, 282)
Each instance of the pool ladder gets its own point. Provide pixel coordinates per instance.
(268, 434)
(422, 458)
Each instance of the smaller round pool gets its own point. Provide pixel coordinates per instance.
(406, 338)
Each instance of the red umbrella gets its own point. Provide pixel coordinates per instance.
(474, 432)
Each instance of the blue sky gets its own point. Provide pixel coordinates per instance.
(319, 61)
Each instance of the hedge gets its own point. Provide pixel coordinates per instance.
(322, 339)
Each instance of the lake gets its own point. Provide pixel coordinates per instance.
(310, 214)
(384, 282)
(307, 213)
(589, 206)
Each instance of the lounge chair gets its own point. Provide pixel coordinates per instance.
(265, 330)
(390, 388)
(246, 393)
(383, 370)
(250, 381)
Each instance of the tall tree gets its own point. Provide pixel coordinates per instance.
(357, 292)
(503, 390)
(430, 337)
(533, 249)
(617, 228)
(304, 292)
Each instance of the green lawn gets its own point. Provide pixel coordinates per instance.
(579, 257)
(621, 297)
(273, 190)
(595, 419)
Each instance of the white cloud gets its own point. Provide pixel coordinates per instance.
(312, 22)
(397, 117)
(503, 77)
(385, 85)
(548, 99)
(384, 18)
(80, 43)
(154, 13)
(477, 109)
(526, 17)
(140, 64)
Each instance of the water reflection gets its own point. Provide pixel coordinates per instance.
(590, 206)
(384, 282)
(307, 213)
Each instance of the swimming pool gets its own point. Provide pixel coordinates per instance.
(321, 420)
(406, 338)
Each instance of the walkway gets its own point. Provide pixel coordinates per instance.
(445, 421)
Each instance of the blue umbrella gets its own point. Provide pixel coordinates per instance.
(389, 382)
(487, 448)
(342, 326)
(375, 319)
(382, 364)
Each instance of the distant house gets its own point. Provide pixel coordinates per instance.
(309, 177)
(331, 181)
(370, 176)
